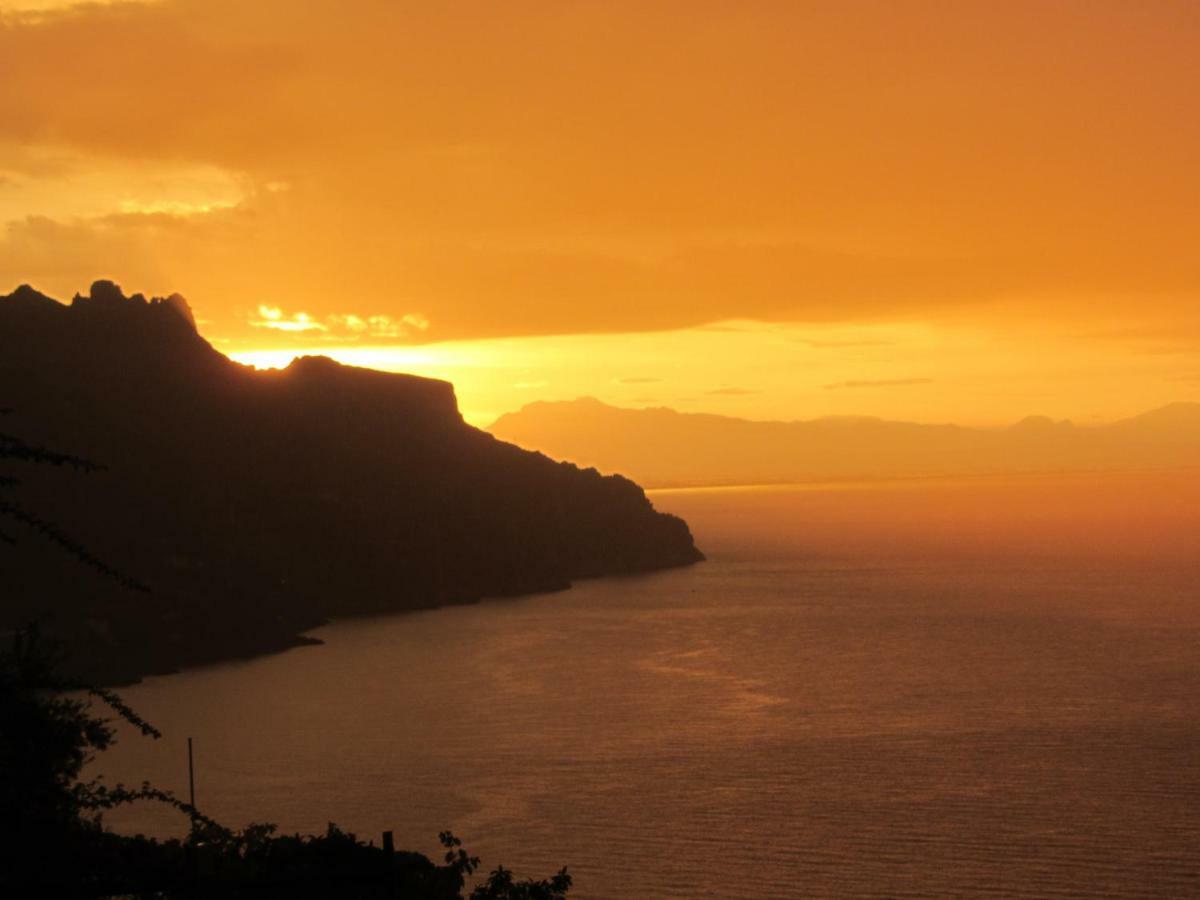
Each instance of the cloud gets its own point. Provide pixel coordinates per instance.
(731, 392)
(273, 317)
(339, 327)
(39, 11)
(142, 250)
(546, 184)
(57, 6)
(637, 380)
(838, 345)
(61, 258)
(876, 383)
(380, 325)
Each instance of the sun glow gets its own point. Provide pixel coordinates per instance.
(784, 371)
(981, 213)
(418, 360)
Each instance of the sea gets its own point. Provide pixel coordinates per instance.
(934, 687)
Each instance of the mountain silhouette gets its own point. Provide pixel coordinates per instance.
(664, 448)
(255, 505)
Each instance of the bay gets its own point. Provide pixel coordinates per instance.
(920, 688)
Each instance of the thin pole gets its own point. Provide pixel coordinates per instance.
(191, 783)
(193, 863)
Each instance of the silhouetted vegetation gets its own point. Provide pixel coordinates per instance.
(14, 449)
(55, 842)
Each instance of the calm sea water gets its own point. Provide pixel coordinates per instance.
(984, 688)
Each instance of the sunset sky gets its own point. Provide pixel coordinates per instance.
(940, 211)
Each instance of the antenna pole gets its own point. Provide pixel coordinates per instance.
(191, 783)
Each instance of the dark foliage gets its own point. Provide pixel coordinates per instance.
(13, 449)
(501, 886)
(55, 844)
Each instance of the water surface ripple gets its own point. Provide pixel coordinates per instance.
(852, 697)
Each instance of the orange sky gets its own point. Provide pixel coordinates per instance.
(962, 211)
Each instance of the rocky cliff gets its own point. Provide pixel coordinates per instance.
(254, 505)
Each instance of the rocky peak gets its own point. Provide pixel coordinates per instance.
(180, 305)
(106, 296)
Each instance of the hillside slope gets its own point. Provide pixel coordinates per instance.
(257, 504)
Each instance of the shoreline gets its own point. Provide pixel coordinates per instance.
(303, 637)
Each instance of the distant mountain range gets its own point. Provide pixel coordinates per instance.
(256, 505)
(664, 448)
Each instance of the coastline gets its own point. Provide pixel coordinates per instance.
(277, 644)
